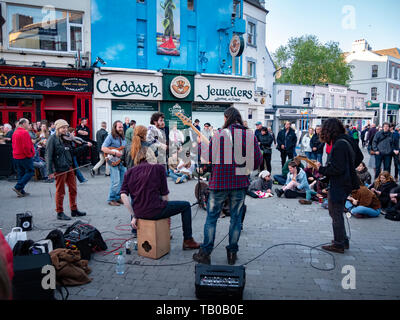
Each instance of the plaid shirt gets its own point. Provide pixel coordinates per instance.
(224, 176)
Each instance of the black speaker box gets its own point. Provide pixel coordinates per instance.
(24, 221)
(219, 282)
(27, 281)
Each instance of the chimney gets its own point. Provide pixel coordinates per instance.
(360, 45)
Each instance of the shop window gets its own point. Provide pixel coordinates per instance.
(12, 102)
(27, 115)
(44, 28)
(190, 5)
(12, 118)
(288, 98)
(374, 93)
(374, 71)
(27, 103)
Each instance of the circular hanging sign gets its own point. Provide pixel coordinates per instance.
(180, 87)
(236, 46)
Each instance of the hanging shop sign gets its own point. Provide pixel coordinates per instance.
(124, 86)
(230, 90)
(236, 45)
(47, 83)
(180, 87)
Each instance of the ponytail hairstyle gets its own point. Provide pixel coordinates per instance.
(138, 137)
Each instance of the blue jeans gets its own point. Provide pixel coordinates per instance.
(41, 165)
(387, 162)
(175, 176)
(316, 156)
(78, 173)
(176, 207)
(214, 207)
(25, 172)
(362, 210)
(280, 179)
(117, 177)
(309, 155)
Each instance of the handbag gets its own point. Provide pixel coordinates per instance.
(14, 236)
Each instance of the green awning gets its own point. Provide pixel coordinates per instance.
(385, 106)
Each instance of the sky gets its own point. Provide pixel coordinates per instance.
(343, 21)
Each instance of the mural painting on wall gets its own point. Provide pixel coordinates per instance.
(168, 27)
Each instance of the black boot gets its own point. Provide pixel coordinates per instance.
(231, 257)
(78, 213)
(202, 257)
(62, 216)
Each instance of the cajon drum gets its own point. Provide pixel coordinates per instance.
(153, 237)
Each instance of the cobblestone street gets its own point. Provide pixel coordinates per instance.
(284, 272)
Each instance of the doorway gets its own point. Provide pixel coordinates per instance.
(54, 115)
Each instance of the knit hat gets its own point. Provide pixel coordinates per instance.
(264, 174)
(61, 123)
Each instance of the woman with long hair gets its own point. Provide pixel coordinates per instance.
(130, 154)
(340, 168)
(382, 188)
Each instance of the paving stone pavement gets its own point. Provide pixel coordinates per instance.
(284, 272)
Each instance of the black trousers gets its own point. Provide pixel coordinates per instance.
(285, 154)
(396, 165)
(336, 210)
(266, 163)
(293, 194)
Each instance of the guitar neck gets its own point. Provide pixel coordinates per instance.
(200, 134)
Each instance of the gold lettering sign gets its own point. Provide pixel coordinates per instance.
(16, 81)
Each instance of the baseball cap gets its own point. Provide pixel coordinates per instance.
(258, 123)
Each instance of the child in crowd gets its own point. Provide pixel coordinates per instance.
(363, 174)
(263, 184)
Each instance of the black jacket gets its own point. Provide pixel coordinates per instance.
(266, 142)
(101, 135)
(315, 143)
(384, 143)
(59, 154)
(289, 140)
(341, 167)
(386, 189)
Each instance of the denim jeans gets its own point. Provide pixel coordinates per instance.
(316, 156)
(41, 165)
(214, 207)
(308, 155)
(25, 172)
(362, 210)
(117, 177)
(176, 207)
(280, 179)
(387, 162)
(175, 176)
(78, 173)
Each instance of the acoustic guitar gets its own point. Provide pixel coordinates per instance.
(312, 163)
(112, 159)
(188, 122)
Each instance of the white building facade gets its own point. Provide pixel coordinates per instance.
(378, 74)
(258, 64)
(309, 106)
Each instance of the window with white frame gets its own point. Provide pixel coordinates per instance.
(342, 101)
(251, 33)
(44, 28)
(190, 5)
(396, 70)
(390, 93)
(394, 94)
(320, 100)
(374, 93)
(390, 70)
(360, 103)
(374, 71)
(237, 12)
(288, 98)
(251, 69)
(332, 101)
(352, 101)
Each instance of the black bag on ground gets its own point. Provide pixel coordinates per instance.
(57, 238)
(22, 248)
(393, 215)
(85, 238)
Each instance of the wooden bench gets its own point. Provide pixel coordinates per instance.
(153, 238)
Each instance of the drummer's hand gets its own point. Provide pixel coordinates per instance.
(133, 223)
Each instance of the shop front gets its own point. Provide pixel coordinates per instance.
(45, 94)
(301, 117)
(358, 118)
(120, 94)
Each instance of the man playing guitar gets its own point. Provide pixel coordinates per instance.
(113, 145)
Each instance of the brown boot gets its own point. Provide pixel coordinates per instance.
(346, 244)
(302, 201)
(333, 248)
(190, 244)
(114, 203)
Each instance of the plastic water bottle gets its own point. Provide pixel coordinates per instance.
(120, 267)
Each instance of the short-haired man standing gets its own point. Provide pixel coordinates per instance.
(156, 136)
(286, 141)
(23, 153)
(101, 136)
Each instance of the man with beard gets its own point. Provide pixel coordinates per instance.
(113, 146)
(156, 136)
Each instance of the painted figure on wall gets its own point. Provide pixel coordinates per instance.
(168, 27)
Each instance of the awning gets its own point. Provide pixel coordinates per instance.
(21, 96)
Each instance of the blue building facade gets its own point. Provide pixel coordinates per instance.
(128, 34)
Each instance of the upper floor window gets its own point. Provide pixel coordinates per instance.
(251, 69)
(374, 93)
(332, 104)
(236, 9)
(190, 5)
(394, 94)
(396, 71)
(360, 103)
(374, 71)
(251, 33)
(320, 100)
(390, 71)
(343, 101)
(288, 98)
(352, 102)
(44, 28)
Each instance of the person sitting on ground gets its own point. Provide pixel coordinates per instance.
(202, 172)
(281, 179)
(363, 203)
(296, 183)
(180, 171)
(147, 184)
(363, 174)
(40, 164)
(382, 188)
(262, 184)
(394, 205)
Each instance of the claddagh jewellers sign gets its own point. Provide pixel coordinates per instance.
(128, 87)
(224, 90)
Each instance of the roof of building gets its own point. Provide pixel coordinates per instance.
(257, 4)
(394, 52)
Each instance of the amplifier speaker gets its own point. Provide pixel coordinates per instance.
(24, 221)
(224, 282)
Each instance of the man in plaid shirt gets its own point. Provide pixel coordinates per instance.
(232, 161)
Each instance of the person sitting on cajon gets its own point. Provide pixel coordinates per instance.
(147, 185)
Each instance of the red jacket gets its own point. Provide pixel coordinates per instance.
(6, 256)
(22, 144)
